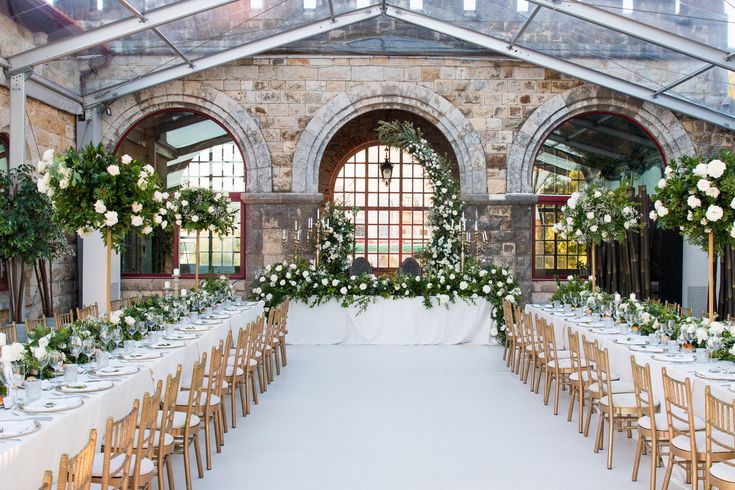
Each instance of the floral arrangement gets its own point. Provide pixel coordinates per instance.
(93, 189)
(698, 197)
(311, 285)
(446, 215)
(336, 239)
(200, 209)
(572, 288)
(218, 287)
(597, 215)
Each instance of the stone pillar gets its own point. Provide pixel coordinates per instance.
(266, 216)
(508, 221)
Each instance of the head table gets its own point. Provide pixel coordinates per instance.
(23, 461)
(620, 359)
(388, 321)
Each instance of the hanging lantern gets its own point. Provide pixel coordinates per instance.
(386, 169)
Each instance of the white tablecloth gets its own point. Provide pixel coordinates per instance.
(22, 463)
(390, 322)
(620, 362)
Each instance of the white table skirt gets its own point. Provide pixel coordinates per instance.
(390, 322)
(22, 463)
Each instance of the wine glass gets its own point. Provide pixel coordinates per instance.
(714, 343)
(43, 361)
(143, 329)
(132, 330)
(88, 348)
(56, 360)
(18, 374)
(75, 346)
(116, 337)
(105, 336)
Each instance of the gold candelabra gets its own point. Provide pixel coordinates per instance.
(296, 237)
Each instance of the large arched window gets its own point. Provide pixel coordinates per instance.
(4, 167)
(598, 147)
(186, 149)
(391, 218)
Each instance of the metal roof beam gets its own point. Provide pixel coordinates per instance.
(683, 79)
(563, 66)
(233, 54)
(525, 25)
(109, 32)
(640, 30)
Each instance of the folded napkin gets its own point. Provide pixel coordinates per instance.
(14, 428)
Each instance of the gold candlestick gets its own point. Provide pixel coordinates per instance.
(284, 244)
(462, 247)
(296, 235)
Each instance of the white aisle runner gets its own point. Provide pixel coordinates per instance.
(408, 418)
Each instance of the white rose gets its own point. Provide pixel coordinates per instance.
(598, 194)
(183, 293)
(149, 169)
(590, 215)
(84, 232)
(129, 320)
(714, 213)
(137, 207)
(146, 230)
(463, 285)
(713, 192)
(48, 155)
(363, 286)
(593, 228)
(607, 218)
(195, 218)
(110, 218)
(39, 353)
(210, 209)
(716, 168)
(700, 170)
(343, 290)
(693, 202)
(184, 203)
(662, 183)
(113, 170)
(653, 215)
(164, 224)
(126, 159)
(136, 220)
(99, 207)
(157, 196)
(158, 219)
(703, 185)
(486, 289)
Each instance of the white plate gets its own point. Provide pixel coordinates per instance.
(142, 356)
(117, 371)
(167, 345)
(85, 386)
(651, 349)
(719, 375)
(180, 336)
(566, 315)
(220, 317)
(17, 428)
(608, 331)
(194, 328)
(55, 405)
(674, 357)
(597, 325)
(631, 341)
(206, 321)
(580, 319)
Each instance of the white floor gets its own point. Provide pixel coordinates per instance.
(404, 418)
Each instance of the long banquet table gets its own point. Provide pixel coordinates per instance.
(23, 462)
(390, 322)
(620, 360)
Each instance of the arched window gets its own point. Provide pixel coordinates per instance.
(599, 147)
(391, 218)
(4, 167)
(186, 149)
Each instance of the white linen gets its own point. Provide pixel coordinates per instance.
(390, 322)
(23, 463)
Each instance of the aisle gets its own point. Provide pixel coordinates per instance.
(405, 418)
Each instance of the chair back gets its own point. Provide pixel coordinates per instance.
(549, 339)
(119, 440)
(145, 445)
(644, 392)
(10, 331)
(61, 319)
(575, 353)
(216, 371)
(194, 404)
(679, 414)
(604, 377)
(508, 317)
(241, 348)
(75, 473)
(529, 335)
(168, 411)
(589, 349)
(33, 324)
(720, 430)
(4, 316)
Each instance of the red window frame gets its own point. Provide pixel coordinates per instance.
(561, 199)
(234, 197)
(5, 141)
(378, 208)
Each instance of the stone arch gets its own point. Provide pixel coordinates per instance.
(414, 98)
(207, 100)
(663, 126)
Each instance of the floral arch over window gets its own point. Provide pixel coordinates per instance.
(187, 149)
(602, 147)
(390, 219)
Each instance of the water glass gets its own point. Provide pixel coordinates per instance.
(623, 328)
(103, 359)
(596, 317)
(129, 347)
(71, 373)
(702, 355)
(673, 346)
(33, 390)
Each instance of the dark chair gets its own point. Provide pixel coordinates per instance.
(410, 267)
(360, 266)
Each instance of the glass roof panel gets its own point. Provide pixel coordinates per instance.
(714, 88)
(606, 50)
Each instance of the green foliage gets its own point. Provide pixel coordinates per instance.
(200, 209)
(573, 287)
(336, 239)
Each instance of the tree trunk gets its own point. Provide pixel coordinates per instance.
(45, 291)
(16, 288)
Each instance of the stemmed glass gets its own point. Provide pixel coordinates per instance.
(714, 343)
(132, 330)
(88, 348)
(18, 374)
(143, 329)
(56, 360)
(43, 361)
(105, 336)
(75, 346)
(116, 337)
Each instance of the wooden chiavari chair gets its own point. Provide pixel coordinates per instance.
(10, 331)
(111, 468)
(653, 432)
(185, 427)
(530, 350)
(576, 379)
(254, 364)
(75, 473)
(268, 351)
(33, 324)
(686, 311)
(211, 406)
(167, 417)
(282, 333)
(61, 319)
(687, 440)
(142, 467)
(590, 379)
(4, 316)
(89, 311)
(116, 304)
(620, 410)
(558, 368)
(275, 342)
(508, 347)
(720, 435)
(236, 373)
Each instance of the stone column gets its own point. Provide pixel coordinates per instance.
(266, 216)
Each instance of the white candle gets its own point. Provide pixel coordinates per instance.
(317, 214)
(284, 235)
(310, 222)
(167, 285)
(176, 272)
(475, 225)
(484, 236)
(295, 225)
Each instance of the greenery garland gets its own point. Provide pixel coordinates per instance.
(446, 215)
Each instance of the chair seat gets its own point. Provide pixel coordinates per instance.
(186, 384)
(167, 440)
(560, 354)
(662, 423)
(180, 420)
(182, 399)
(231, 362)
(565, 363)
(615, 386)
(275, 341)
(700, 439)
(585, 376)
(116, 464)
(724, 471)
(623, 401)
(228, 372)
(146, 466)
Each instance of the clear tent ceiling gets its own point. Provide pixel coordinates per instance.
(666, 70)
